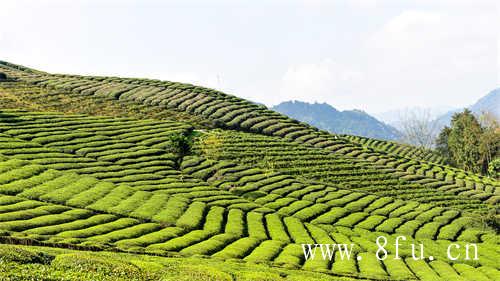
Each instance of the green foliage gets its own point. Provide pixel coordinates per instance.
(464, 140)
(494, 168)
(96, 266)
(193, 216)
(181, 146)
(468, 144)
(10, 253)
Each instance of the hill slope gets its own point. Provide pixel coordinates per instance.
(326, 117)
(176, 169)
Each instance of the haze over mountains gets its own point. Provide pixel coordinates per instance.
(384, 125)
(326, 117)
(393, 117)
(489, 103)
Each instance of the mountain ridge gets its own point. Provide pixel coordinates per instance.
(488, 103)
(327, 117)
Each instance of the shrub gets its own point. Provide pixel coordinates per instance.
(235, 222)
(444, 269)
(295, 207)
(266, 251)
(99, 229)
(156, 237)
(131, 203)
(291, 256)
(113, 198)
(182, 242)
(193, 216)
(238, 249)
(10, 253)
(95, 266)
(24, 184)
(126, 233)
(73, 225)
(370, 267)
(214, 220)
(20, 173)
(469, 272)
(331, 216)
(210, 246)
(297, 231)
(422, 269)
(352, 219)
(151, 207)
(65, 193)
(344, 266)
(90, 196)
(398, 270)
(276, 228)
(255, 224)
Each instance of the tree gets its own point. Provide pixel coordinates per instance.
(494, 168)
(181, 146)
(490, 140)
(470, 143)
(464, 141)
(418, 128)
(442, 145)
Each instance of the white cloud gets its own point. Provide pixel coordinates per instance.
(406, 28)
(415, 35)
(432, 55)
(324, 81)
(498, 45)
(364, 4)
(417, 58)
(498, 60)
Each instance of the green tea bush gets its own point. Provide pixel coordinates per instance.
(126, 233)
(193, 216)
(256, 226)
(10, 253)
(72, 225)
(211, 245)
(95, 266)
(214, 221)
(181, 242)
(266, 251)
(156, 237)
(99, 229)
(239, 248)
(276, 228)
(297, 231)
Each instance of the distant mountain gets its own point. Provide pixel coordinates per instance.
(326, 117)
(489, 103)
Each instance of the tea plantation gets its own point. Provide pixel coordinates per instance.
(108, 178)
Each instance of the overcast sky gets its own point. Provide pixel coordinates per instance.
(366, 54)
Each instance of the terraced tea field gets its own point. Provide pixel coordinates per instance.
(170, 181)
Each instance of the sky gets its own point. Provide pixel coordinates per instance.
(371, 55)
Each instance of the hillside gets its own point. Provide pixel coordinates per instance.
(326, 117)
(176, 177)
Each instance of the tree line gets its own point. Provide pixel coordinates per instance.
(470, 142)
